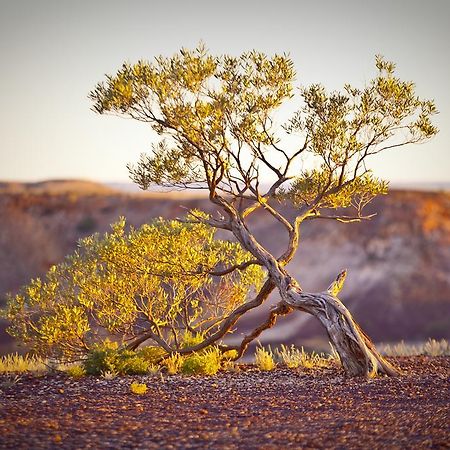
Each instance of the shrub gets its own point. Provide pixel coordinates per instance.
(138, 388)
(107, 357)
(264, 359)
(205, 363)
(75, 371)
(151, 354)
(124, 284)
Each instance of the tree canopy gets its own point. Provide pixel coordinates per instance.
(217, 118)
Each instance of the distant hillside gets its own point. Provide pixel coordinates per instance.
(399, 263)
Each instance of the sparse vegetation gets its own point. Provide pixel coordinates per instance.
(138, 388)
(15, 363)
(431, 347)
(293, 357)
(264, 359)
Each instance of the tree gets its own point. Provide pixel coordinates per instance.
(124, 286)
(216, 118)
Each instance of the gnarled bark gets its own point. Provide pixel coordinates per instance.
(357, 352)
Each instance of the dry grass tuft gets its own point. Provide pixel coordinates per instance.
(294, 357)
(15, 363)
(264, 359)
(432, 347)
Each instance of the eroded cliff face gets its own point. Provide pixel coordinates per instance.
(398, 285)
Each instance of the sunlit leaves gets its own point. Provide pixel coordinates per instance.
(125, 282)
(202, 104)
(345, 193)
(216, 116)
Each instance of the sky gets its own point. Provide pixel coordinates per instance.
(52, 53)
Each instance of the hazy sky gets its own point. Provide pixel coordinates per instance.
(52, 53)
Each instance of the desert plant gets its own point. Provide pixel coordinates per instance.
(138, 388)
(152, 354)
(431, 347)
(216, 118)
(293, 357)
(109, 375)
(206, 363)
(173, 363)
(436, 348)
(158, 283)
(109, 358)
(75, 371)
(15, 363)
(264, 359)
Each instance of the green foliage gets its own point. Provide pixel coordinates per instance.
(206, 363)
(216, 115)
(138, 388)
(264, 359)
(153, 280)
(107, 357)
(151, 354)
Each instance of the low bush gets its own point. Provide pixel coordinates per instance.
(151, 354)
(173, 363)
(205, 363)
(107, 357)
(75, 371)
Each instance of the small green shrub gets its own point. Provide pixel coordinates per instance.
(138, 388)
(206, 363)
(107, 357)
(264, 359)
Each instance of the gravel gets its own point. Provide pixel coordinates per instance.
(246, 409)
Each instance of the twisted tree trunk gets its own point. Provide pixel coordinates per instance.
(357, 352)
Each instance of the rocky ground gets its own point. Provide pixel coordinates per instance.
(247, 409)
